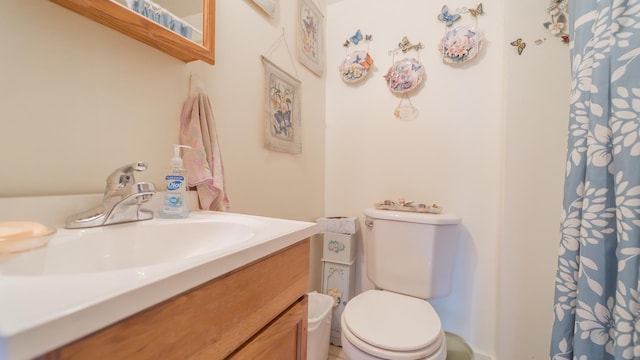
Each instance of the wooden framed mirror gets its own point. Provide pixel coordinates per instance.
(116, 15)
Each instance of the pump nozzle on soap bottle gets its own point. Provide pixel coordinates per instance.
(176, 160)
(175, 200)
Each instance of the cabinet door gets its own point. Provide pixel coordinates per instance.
(285, 338)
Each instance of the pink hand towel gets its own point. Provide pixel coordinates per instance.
(203, 161)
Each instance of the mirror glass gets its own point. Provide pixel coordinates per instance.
(183, 17)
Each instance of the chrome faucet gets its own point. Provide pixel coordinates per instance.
(121, 203)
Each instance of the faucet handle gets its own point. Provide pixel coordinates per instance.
(123, 176)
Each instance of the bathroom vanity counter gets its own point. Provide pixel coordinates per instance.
(48, 303)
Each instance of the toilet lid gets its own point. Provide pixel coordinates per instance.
(392, 321)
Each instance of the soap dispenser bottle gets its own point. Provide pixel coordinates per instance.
(175, 200)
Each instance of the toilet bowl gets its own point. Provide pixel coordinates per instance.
(380, 324)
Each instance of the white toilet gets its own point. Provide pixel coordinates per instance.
(409, 257)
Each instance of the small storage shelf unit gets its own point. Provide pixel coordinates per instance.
(338, 266)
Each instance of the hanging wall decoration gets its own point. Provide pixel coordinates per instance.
(358, 62)
(404, 76)
(310, 36)
(559, 12)
(461, 43)
(282, 118)
(269, 6)
(282, 103)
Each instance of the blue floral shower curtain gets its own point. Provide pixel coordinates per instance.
(597, 301)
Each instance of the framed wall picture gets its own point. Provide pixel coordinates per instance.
(282, 115)
(310, 36)
(269, 6)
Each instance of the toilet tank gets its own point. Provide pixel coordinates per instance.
(410, 253)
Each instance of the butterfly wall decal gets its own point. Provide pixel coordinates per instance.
(519, 44)
(367, 62)
(448, 18)
(405, 45)
(356, 37)
(355, 66)
(477, 11)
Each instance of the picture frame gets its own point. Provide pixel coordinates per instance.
(282, 110)
(268, 6)
(310, 36)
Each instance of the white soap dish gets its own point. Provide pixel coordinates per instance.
(18, 236)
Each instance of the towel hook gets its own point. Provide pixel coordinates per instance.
(196, 85)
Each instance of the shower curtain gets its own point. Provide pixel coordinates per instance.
(597, 289)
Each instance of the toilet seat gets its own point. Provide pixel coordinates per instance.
(392, 326)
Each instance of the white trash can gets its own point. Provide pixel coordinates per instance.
(319, 327)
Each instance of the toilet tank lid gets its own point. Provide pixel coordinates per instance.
(414, 217)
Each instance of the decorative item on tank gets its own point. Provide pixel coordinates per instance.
(403, 205)
(357, 63)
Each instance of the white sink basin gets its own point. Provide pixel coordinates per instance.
(125, 246)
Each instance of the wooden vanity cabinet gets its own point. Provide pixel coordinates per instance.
(258, 311)
(284, 338)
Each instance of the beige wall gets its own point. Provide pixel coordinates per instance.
(537, 85)
(79, 99)
(488, 145)
(450, 155)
